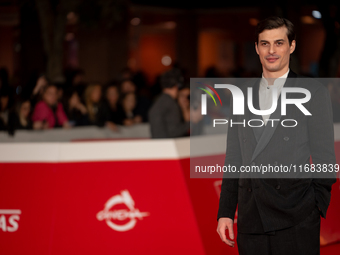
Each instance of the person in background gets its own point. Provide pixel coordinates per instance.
(111, 106)
(4, 80)
(38, 90)
(49, 113)
(75, 78)
(4, 98)
(142, 103)
(60, 91)
(7, 94)
(19, 118)
(165, 114)
(75, 110)
(127, 114)
(78, 77)
(126, 73)
(94, 106)
(184, 102)
(127, 86)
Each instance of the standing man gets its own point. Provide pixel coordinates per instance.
(278, 215)
(165, 115)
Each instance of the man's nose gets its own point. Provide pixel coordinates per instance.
(271, 49)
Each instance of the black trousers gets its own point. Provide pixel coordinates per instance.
(301, 239)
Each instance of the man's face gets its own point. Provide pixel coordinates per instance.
(274, 50)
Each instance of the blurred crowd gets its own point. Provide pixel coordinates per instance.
(41, 104)
(126, 101)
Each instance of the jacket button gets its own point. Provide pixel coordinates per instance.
(249, 189)
(278, 187)
(286, 138)
(244, 140)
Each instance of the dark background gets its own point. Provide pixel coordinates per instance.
(104, 37)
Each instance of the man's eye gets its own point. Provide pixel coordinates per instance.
(264, 44)
(279, 43)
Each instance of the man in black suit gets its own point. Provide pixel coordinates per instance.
(165, 114)
(278, 215)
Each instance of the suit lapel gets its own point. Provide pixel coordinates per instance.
(265, 133)
(258, 130)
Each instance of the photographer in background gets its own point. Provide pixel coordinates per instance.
(165, 115)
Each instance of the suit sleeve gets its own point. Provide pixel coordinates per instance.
(175, 126)
(321, 142)
(229, 188)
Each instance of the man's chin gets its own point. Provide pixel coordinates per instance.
(273, 68)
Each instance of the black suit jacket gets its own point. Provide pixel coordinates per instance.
(269, 204)
(165, 118)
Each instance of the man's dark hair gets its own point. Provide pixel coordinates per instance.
(172, 78)
(273, 23)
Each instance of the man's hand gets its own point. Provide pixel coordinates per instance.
(195, 115)
(67, 125)
(111, 126)
(223, 224)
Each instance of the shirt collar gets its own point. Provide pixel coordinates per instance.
(279, 82)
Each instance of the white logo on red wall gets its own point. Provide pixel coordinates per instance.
(9, 220)
(121, 219)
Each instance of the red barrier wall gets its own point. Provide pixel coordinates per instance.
(149, 206)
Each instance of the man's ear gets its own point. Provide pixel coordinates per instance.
(257, 50)
(292, 46)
